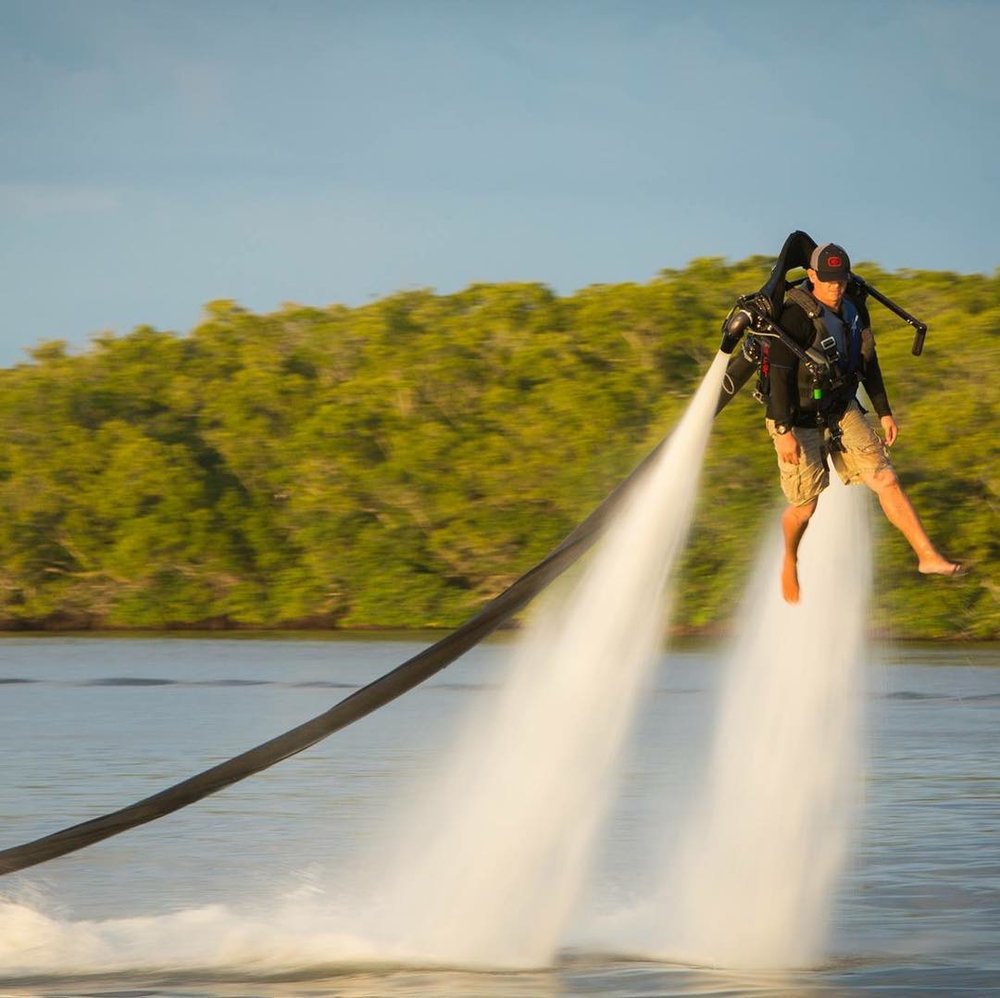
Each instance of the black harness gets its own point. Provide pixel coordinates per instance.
(829, 373)
(835, 350)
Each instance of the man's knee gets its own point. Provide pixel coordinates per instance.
(801, 513)
(884, 478)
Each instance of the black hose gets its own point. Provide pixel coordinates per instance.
(359, 704)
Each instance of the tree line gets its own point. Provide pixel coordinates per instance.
(396, 464)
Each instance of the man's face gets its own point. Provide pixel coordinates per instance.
(827, 293)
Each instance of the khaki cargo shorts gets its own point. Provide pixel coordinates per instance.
(863, 456)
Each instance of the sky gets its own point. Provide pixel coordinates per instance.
(156, 155)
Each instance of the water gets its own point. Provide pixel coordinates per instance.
(249, 891)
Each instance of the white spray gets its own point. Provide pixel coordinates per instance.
(753, 883)
(494, 859)
(293, 932)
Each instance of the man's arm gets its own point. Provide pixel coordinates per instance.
(871, 375)
(783, 396)
(871, 378)
(784, 393)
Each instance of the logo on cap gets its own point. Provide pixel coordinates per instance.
(833, 261)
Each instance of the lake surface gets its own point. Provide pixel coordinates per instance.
(224, 897)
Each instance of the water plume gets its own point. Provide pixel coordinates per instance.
(752, 884)
(493, 857)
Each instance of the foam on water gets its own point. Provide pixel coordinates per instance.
(290, 933)
(753, 881)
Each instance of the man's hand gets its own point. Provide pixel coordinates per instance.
(788, 447)
(890, 429)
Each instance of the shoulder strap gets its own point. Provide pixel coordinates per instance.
(799, 296)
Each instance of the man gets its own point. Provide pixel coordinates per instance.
(810, 423)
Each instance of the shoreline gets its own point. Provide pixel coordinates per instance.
(423, 635)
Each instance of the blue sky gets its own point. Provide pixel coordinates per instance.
(159, 154)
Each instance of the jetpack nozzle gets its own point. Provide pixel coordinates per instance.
(737, 323)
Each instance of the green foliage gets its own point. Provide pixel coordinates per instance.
(398, 464)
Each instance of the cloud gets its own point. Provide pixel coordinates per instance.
(57, 199)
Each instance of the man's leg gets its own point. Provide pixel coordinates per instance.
(900, 513)
(802, 484)
(866, 460)
(794, 521)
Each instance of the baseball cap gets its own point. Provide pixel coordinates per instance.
(830, 262)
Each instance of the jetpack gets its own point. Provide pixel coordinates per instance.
(753, 319)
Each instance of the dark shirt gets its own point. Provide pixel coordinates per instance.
(783, 400)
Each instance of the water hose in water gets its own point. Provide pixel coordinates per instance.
(359, 704)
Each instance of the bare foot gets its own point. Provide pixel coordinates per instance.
(941, 566)
(790, 580)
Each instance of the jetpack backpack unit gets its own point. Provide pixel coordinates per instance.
(753, 319)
